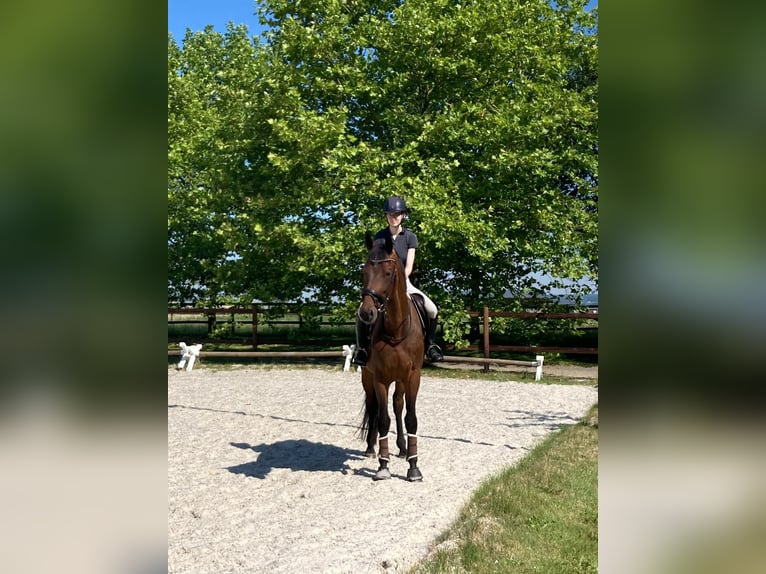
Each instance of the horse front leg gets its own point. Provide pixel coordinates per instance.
(384, 424)
(398, 409)
(372, 429)
(370, 422)
(411, 421)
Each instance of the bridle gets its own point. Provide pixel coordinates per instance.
(380, 304)
(380, 300)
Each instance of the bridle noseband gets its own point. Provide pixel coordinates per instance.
(376, 296)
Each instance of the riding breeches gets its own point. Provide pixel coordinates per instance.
(429, 305)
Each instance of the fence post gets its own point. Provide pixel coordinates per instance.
(211, 321)
(255, 326)
(486, 337)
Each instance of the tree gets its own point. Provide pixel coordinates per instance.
(483, 115)
(210, 88)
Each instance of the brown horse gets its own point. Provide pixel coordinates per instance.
(396, 355)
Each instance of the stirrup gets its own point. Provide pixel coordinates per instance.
(434, 353)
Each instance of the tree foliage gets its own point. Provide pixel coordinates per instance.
(481, 114)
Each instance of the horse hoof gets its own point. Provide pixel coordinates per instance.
(370, 453)
(414, 475)
(382, 474)
(402, 454)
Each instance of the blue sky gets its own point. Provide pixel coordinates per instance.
(196, 14)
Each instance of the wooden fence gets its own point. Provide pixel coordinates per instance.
(212, 315)
(485, 315)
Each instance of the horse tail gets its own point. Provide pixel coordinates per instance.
(369, 412)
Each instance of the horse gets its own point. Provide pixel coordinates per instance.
(396, 355)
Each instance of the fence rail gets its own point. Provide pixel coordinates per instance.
(212, 314)
(487, 315)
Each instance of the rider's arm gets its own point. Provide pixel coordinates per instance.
(410, 262)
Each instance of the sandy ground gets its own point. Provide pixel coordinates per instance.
(265, 473)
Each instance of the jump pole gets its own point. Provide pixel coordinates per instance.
(538, 363)
(345, 353)
(267, 354)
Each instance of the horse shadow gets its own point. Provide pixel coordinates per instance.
(548, 421)
(297, 455)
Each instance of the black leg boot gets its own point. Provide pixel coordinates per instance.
(433, 352)
(362, 352)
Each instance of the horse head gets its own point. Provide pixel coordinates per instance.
(379, 278)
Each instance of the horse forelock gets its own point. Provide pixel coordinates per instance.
(379, 252)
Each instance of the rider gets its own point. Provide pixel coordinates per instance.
(405, 243)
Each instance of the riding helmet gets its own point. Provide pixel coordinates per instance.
(394, 205)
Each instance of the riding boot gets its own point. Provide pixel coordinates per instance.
(362, 352)
(433, 352)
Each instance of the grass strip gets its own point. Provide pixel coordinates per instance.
(539, 516)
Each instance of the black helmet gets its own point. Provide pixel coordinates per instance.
(394, 205)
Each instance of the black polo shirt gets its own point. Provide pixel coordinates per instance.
(404, 241)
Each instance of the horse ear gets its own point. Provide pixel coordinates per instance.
(389, 243)
(368, 240)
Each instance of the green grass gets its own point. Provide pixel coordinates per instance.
(540, 516)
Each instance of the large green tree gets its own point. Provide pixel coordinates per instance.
(482, 115)
(202, 78)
